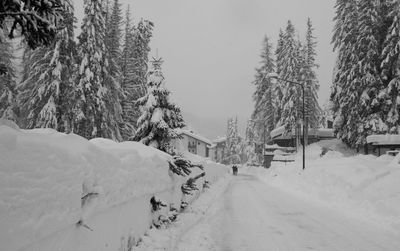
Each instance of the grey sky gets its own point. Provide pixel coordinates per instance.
(211, 48)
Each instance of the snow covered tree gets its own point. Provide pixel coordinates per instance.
(359, 94)
(129, 88)
(141, 50)
(113, 39)
(290, 70)
(390, 65)
(98, 109)
(232, 143)
(391, 45)
(368, 79)
(264, 97)
(251, 142)
(343, 91)
(278, 88)
(308, 75)
(160, 117)
(134, 69)
(8, 92)
(38, 21)
(47, 88)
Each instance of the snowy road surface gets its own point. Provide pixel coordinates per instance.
(251, 215)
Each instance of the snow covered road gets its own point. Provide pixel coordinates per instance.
(251, 215)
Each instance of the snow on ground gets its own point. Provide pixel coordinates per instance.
(246, 213)
(365, 186)
(50, 181)
(251, 215)
(171, 237)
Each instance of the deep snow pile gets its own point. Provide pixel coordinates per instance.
(363, 185)
(50, 181)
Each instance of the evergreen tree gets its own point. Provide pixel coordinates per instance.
(278, 88)
(368, 77)
(343, 95)
(232, 143)
(8, 92)
(142, 36)
(391, 44)
(390, 65)
(251, 142)
(47, 88)
(160, 117)
(290, 70)
(360, 96)
(136, 51)
(264, 98)
(98, 92)
(37, 21)
(313, 110)
(113, 39)
(128, 85)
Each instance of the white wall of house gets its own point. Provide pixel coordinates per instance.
(192, 145)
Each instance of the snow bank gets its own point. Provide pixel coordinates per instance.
(50, 181)
(364, 185)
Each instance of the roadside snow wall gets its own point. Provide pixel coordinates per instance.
(363, 185)
(50, 181)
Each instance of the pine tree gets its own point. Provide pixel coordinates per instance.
(251, 142)
(37, 21)
(8, 92)
(390, 65)
(142, 36)
(98, 92)
(128, 85)
(391, 44)
(369, 81)
(278, 88)
(160, 117)
(290, 70)
(232, 143)
(136, 51)
(313, 110)
(48, 84)
(359, 92)
(343, 95)
(113, 39)
(264, 98)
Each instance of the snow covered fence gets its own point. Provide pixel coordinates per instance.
(63, 192)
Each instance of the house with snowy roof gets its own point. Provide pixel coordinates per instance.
(383, 144)
(281, 137)
(193, 143)
(217, 150)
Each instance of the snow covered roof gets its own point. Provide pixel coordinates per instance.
(220, 140)
(275, 147)
(326, 133)
(277, 132)
(196, 136)
(321, 132)
(387, 139)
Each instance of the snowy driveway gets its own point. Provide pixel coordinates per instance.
(252, 215)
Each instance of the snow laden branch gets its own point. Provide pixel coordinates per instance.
(37, 21)
(182, 166)
(190, 185)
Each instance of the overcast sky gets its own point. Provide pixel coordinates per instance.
(211, 47)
